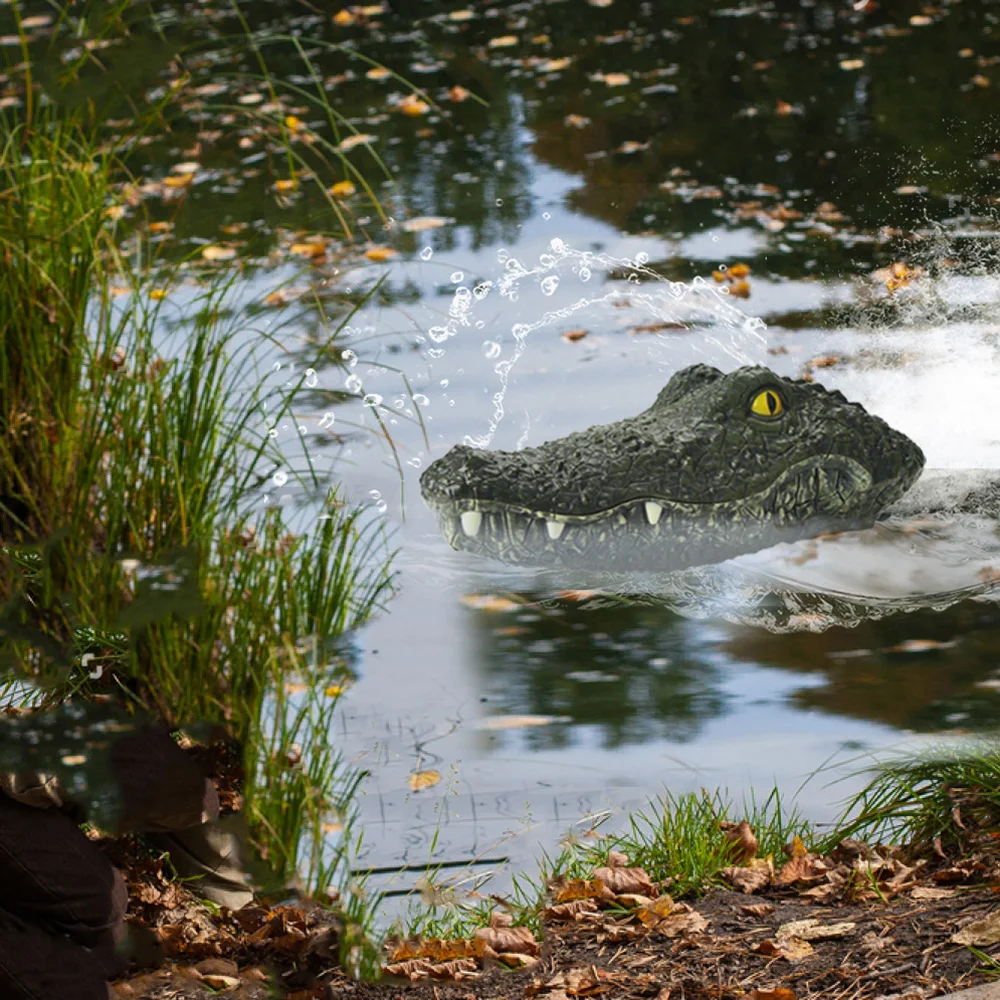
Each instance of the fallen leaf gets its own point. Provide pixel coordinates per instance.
(930, 892)
(342, 189)
(378, 73)
(852, 63)
(812, 930)
(343, 18)
(503, 42)
(742, 841)
(419, 780)
(980, 933)
(490, 602)
(423, 222)
(458, 93)
(574, 909)
(620, 879)
(655, 911)
(496, 722)
(616, 79)
(313, 248)
(683, 922)
(791, 949)
(379, 254)
(284, 185)
(739, 270)
(801, 869)
(748, 880)
(293, 124)
(576, 121)
(779, 994)
(501, 937)
(413, 106)
(574, 335)
(178, 180)
(741, 289)
(216, 252)
(361, 139)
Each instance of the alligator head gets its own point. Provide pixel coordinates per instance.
(719, 465)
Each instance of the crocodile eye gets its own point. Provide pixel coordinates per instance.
(766, 404)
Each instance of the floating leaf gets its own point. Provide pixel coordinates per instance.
(284, 185)
(342, 189)
(361, 139)
(313, 248)
(574, 335)
(157, 294)
(378, 73)
(458, 93)
(344, 18)
(216, 252)
(413, 106)
(178, 180)
(496, 722)
(419, 780)
(379, 254)
(423, 222)
(503, 42)
(616, 79)
(490, 602)
(190, 167)
(852, 63)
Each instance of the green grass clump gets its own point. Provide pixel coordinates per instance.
(946, 795)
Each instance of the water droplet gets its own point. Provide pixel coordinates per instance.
(273, 432)
(457, 276)
(398, 404)
(280, 478)
(277, 366)
(557, 244)
(546, 216)
(491, 348)
(444, 383)
(327, 419)
(352, 383)
(426, 253)
(303, 429)
(451, 402)
(421, 400)
(312, 379)
(502, 255)
(439, 333)
(480, 324)
(546, 260)
(641, 257)
(372, 399)
(549, 284)
(435, 352)
(350, 358)
(499, 202)
(585, 274)
(415, 462)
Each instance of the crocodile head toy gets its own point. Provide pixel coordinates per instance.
(720, 465)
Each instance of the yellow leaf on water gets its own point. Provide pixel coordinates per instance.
(157, 294)
(380, 254)
(413, 106)
(458, 93)
(286, 184)
(160, 227)
(490, 602)
(343, 18)
(178, 180)
(920, 20)
(503, 42)
(361, 139)
(617, 79)
(216, 252)
(423, 222)
(496, 722)
(852, 63)
(741, 289)
(343, 189)
(554, 65)
(314, 248)
(378, 73)
(293, 124)
(335, 690)
(461, 15)
(419, 780)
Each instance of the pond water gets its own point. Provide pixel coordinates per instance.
(846, 154)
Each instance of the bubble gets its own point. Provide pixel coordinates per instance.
(398, 404)
(350, 357)
(312, 379)
(352, 383)
(303, 429)
(273, 432)
(499, 202)
(426, 253)
(277, 366)
(722, 267)
(327, 419)
(439, 333)
(491, 348)
(443, 383)
(549, 284)
(415, 462)
(585, 274)
(546, 216)
(451, 402)
(557, 244)
(641, 257)
(421, 400)
(435, 352)
(457, 276)
(372, 399)
(480, 324)
(280, 478)
(547, 260)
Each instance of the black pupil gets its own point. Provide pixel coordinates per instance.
(772, 403)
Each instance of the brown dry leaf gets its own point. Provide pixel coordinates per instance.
(748, 880)
(576, 121)
(743, 840)
(655, 911)
(824, 361)
(502, 938)
(575, 909)
(779, 994)
(801, 868)
(378, 73)
(574, 335)
(758, 909)
(681, 923)
(458, 93)
(930, 892)
(620, 879)
(161, 227)
(420, 780)
(658, 327)
(920, 645)
(980, 933)
(812, 930)
(436, 949)
(579, 888)
(791, 949)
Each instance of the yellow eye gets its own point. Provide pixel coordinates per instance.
(766, 404)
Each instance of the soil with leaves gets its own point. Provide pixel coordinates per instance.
(862, 922)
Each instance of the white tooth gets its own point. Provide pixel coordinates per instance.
(653, 511)
(471, 520)
(554, 528)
